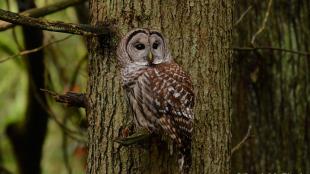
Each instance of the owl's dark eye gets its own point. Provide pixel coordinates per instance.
(140, 46)
(155, 45)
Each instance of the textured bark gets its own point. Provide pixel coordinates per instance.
(199, 37)
(271, 89)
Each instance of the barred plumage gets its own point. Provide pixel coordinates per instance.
(160, 93)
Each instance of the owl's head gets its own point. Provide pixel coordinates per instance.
(143, 47)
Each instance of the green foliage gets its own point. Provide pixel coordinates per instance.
(63, 62)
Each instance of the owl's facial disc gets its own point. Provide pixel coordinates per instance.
(146, 48)
(138, 48)
(157, 48)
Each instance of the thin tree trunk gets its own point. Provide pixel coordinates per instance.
(199, 35)
(27, 137)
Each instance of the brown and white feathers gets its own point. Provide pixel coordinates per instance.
(160, 93)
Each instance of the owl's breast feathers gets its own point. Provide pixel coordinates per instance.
(162, 99)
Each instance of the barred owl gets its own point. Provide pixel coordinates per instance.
(160, 93)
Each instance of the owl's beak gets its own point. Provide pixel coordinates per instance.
(150, 57)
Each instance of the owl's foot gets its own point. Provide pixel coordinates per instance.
(140, 136)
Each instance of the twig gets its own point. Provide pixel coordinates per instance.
(25, 52)
(42, 11)
(71, 133)
(69, 98)
(13, 31)
(19, 47)
(245, 138)
(263, 24)
(79, 29)
(242, 15)
(76, 72)
(303, 53)
(139, 136)
(255, 48)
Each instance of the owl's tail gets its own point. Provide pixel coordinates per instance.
(185, 159)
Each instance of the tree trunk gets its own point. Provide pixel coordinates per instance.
(199, 35)
(27, 137)
(272, 89)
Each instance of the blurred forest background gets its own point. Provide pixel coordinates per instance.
(63, 69)
(271, 88)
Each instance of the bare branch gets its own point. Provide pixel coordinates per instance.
(42, 11)
(263, 24)
(73, 134)
(76, 72)
(242, 15)
(139, 136)
(14, 35)
(246, 137)
(69, 98)
(25, 52)
(79, 29)
(303, 53)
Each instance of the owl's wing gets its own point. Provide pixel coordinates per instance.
(162, 99)
(173, 99)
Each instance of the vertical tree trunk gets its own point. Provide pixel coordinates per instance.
(272, 89)
(27, 137)
(213, 134)
(199, 35)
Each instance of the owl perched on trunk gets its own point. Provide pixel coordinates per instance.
(160, 93)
